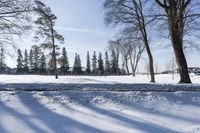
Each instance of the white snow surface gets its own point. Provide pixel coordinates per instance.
(73, 111)
(161, 78)
(36, 82)
(99, 112)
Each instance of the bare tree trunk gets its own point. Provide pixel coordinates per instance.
(126, 64)
(54, 52)
(176, 14)
(142, 25)
(150, 57)
(132, 66)
(180, 57)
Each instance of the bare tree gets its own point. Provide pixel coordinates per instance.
(125, 49)
(14, 20)
(135, 55)
(131, 13)
(183, 19)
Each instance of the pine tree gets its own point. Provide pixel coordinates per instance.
(88, 65)
(2, 61)
(100, 64)
(42, 65)
(107, 64)
(46, 23)
(25, 62)
(94, 64)
(31, 65)
(77, 69)
(51, 66)
(114, 66)
(79, 66)
(36, 55)
(19, 62)
(64, 62)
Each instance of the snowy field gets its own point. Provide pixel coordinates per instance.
(35, 82)
(162, 78)
(75, 111)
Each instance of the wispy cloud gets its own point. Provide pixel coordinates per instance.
(69, 29)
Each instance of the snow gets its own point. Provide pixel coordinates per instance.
(99, 112)
(78, 111)
(36, 82)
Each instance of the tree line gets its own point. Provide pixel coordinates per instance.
(177, 19)
(37, 61)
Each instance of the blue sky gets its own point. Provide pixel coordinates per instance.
(81, 22)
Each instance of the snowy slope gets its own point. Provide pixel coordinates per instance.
(99, 112)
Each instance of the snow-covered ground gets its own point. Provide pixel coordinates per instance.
(99, 112)
(78, 111)
(161, 78)
(36, 82)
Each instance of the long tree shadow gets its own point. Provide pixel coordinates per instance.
(62, 124)
(19, 116)
(131, 122)
(55, 122)
(169, 96)
(133, 105)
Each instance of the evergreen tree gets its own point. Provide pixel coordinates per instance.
(51, 66)
(107, 64)
(42, 65)
(75, 64)
(77, 69)
(25, 62)
(19, 62)
(114, 66)
(46, 30)
(36, 56)
(88, 65)
(2, 61)
(94, 64)
(100, 64)
(31, 65)
(64, 62)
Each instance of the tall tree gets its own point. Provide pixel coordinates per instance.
(178, 17)
(31, 62)
(107, 64)
(94, 63)
(25, 62)
(64, 62)
(14, 20)
(46, 23)
(88, 64)
(77, 68)
(42, 64)
(114, 45)
(2, 61)
(19, 62)
(36, 58)
(100, 64)
(131, 14)
(114, 65)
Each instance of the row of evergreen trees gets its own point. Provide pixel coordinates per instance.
(37, 62)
